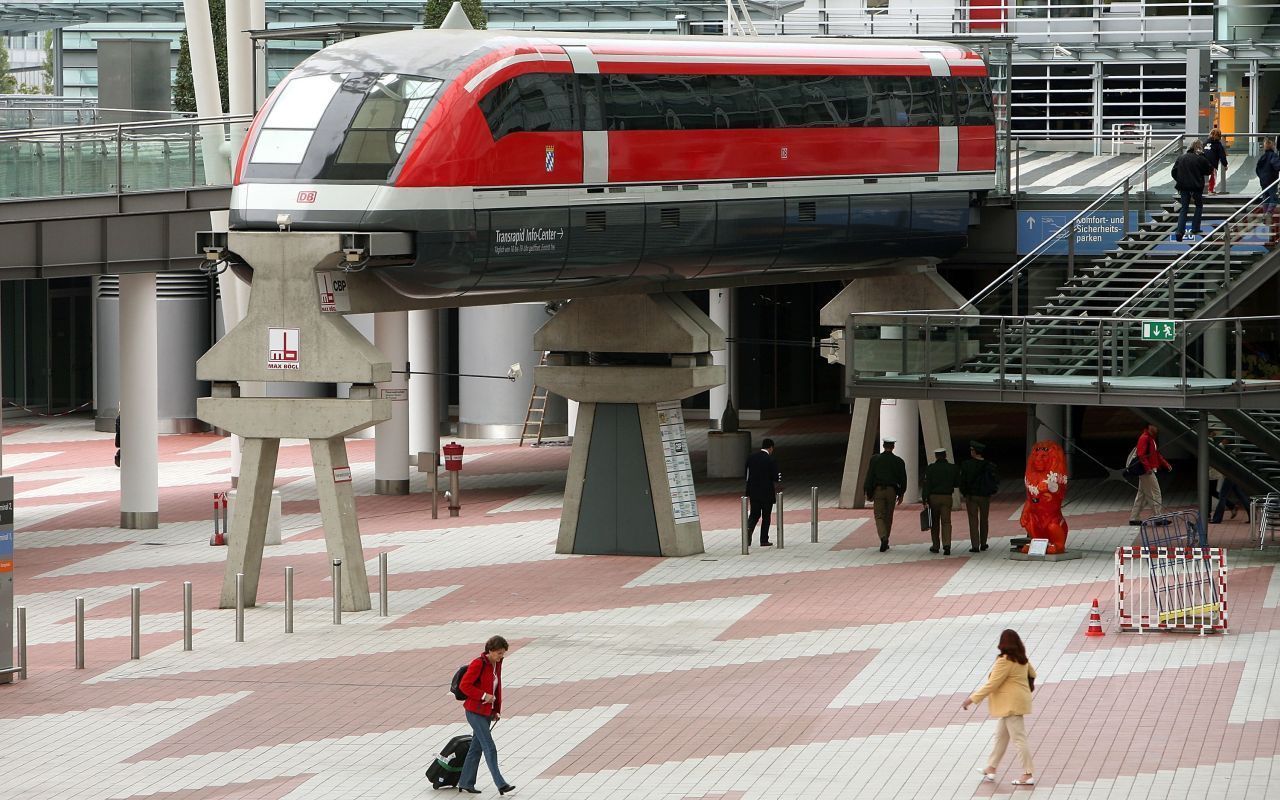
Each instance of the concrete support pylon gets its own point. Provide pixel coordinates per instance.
(139, 402)
(284, 336)
(864, 422)
(391, 438)
(629, 489)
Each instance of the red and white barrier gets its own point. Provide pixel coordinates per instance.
(219, 537)
(1171, 589)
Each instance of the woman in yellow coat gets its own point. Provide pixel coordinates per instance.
(1008, 693)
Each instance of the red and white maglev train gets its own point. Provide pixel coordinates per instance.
(553, 161)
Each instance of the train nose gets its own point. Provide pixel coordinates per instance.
(256, 206)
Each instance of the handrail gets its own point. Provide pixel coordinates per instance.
(112, 127)
(1068, 229)
(1219, 234)
(911, 317)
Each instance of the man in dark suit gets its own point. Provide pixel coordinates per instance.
(762, 476)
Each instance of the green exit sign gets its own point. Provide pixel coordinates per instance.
(1159, 331)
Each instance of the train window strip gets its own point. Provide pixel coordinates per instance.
(644, 102)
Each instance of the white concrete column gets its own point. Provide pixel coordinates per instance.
(720, 309)
(573, 417)
(204, 75)
(391, 438)
(139, 402)
(239, 69)
(257, 22)
(490, 340)
(900, 421)
(1051, 423)
(424, 390)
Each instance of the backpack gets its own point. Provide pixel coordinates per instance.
(988, 483)
(455, 685)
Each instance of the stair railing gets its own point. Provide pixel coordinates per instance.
(1123, 190)
(1216, 246)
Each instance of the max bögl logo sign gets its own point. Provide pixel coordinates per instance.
(282, 348)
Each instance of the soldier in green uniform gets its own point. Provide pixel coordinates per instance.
(940, 481)
(885, 485)
(978, 481)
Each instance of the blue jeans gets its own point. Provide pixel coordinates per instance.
(1186, 196)
(481, 742)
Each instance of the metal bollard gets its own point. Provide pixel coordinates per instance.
(239, 606)
(337, 591)
(782, 542)
(79, 633)
(186, 615)
(288, 599)
(813, 514)
(746, 540)
(135, 623)
(382, 584)
(22, 642)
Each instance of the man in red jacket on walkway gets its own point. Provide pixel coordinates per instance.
(1148, 452)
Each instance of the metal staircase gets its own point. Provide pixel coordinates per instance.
(1147, 277)
(1091, 339)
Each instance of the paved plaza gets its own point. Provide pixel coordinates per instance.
(825, 670)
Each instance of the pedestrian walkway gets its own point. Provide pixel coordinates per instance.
(1052, 173)
(825, 670)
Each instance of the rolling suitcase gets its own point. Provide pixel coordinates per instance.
(447, 767)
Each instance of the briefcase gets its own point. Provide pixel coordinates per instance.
(926, 518)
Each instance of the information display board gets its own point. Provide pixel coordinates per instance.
(6, 578)
(675, 451)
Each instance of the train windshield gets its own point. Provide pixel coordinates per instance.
(340, 126)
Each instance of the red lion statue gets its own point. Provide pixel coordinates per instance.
(1046, 484)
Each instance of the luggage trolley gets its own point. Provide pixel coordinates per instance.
(1182, 579)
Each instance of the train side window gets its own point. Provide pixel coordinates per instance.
(548, 100)
(633, 103)
(686, 103)
(946, 102)
(858, 109)
(823, 95)
(973, 101)
(892, 99)
(502, 109)
(540, 101)
(788, 101)
(923, 105)
(733, 101)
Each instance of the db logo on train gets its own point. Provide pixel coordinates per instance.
(308, 196)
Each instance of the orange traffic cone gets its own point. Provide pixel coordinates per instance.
(1095, 621)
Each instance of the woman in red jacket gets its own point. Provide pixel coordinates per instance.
(482, 684)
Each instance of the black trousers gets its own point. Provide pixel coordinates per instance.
(761, 511)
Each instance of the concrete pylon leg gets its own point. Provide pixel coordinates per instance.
(863, 424)
(391, 438)
(248, 531)
(338, 514)
(630, 488)
(139, 403)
